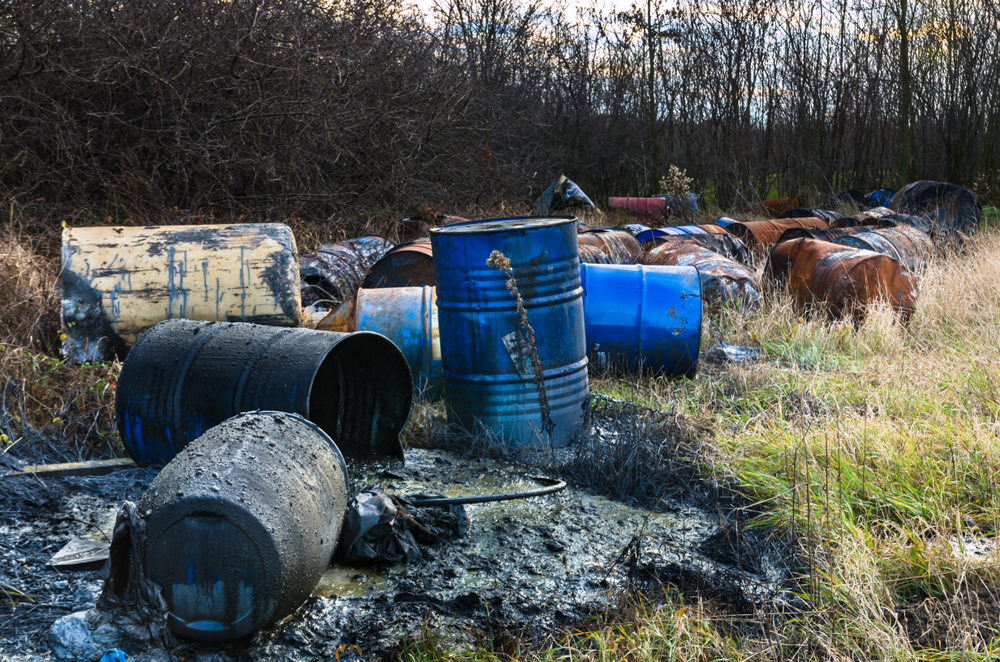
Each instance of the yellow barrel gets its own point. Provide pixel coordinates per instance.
(118, 281)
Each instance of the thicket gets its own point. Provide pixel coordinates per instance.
(364, 109)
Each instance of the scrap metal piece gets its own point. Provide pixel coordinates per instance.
(119, 281)
(185, 377)
(80, 552)
(723, 282)
(241, 524)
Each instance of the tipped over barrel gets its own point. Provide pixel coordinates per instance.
(642, 318)
(184, 377)
(242, 523)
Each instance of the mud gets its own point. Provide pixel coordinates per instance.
(524, 573)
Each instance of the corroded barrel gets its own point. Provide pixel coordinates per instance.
(491, 384)
(241, 524)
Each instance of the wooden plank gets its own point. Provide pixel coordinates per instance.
(92, 468)
(119, 281)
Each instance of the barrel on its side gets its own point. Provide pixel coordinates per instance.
(724, 283)
(490, 380)
(408, 317)
(761, 234)
(117, 282)
(406, 265)
(642, 318)
(242, 523)
(725, 244)
(911, 247)
(185, 377)
(845, 279)
(333, 272)
(619, 246)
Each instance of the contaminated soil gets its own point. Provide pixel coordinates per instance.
(524, 573)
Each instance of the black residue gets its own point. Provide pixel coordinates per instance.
(90, 336)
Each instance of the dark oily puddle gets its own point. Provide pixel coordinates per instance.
(526, 569)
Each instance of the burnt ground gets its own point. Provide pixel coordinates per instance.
(966, 620)
(525, 572)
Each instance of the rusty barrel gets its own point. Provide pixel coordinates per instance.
(647, 208)
(618, 245)
(241, 524)
(832, 234)
(334, 272)
(643, 233)
(761, 234)
(406, 265)
(843, 278)
(184, 377)
(491, 382)
(642, 318)
(910, 246)
(591, 255)
(725, 244)
(772, 208)
(723, 282)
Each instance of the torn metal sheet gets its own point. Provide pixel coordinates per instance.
(80, 552)
(119, 281)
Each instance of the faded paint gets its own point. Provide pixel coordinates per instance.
(118, 282)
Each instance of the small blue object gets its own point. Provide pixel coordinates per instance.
(880, 198)
(115, 655)
(725, 221)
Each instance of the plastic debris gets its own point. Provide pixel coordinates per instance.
(382, 528)
(563, 194)
(723, 352)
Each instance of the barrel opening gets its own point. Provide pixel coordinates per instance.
(361, 396)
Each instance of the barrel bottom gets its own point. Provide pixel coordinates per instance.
(506, 407)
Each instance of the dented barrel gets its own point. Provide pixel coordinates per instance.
(911, 247)
(845, 279)
(725, 244)
(724, 283)
(333, 272)
(242, 523)
(619, 246)
(119, 281)
(185, 377)
(492, 386)
(642, 318)
(406, 265)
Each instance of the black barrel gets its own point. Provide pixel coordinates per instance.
(183, 377)
(241, 524)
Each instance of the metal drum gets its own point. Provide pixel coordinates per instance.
(406, 265)
(241, 524)
(642, 317)
(183, 377)
(408, 317)
(491, 384)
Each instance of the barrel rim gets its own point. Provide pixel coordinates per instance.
(495, 225)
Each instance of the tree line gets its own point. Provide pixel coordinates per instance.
(366, 109)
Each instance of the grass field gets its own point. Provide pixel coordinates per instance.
(877, 449)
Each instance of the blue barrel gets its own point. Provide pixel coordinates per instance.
(642, 318)
(491, 385)
(725, 221)
(408, 317)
